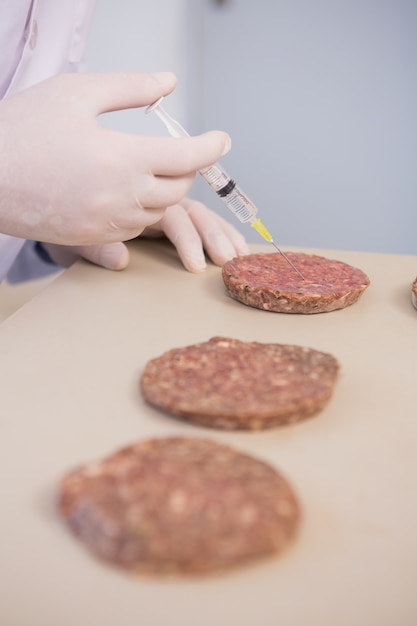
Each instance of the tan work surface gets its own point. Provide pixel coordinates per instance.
(70, 362)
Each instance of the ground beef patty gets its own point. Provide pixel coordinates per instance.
(231, 384)
(179, 505)
(267, 281)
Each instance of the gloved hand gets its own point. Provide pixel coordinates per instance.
(64, 179)
(189, 225)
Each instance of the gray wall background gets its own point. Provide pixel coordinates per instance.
(319, 96)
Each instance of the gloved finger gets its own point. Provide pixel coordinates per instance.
(167, 156)
(220, 239)
(180, 230)
(158, 192)
(113, 91)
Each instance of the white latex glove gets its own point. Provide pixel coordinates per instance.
(64, 179)
(189, 225)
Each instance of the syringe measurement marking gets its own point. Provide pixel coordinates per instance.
(239, 208)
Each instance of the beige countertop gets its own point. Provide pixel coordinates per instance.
(70, 362)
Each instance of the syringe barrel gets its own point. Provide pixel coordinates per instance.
(230, 193)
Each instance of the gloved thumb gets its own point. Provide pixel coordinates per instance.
(112, 256)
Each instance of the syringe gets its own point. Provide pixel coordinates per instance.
(222, 183)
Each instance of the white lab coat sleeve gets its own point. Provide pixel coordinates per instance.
(47, 37)
(9, 250)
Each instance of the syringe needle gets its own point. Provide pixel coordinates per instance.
(288, 260)
(264, 232)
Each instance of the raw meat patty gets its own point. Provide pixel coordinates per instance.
(231, 384)
(179, 505)
(267, 281)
